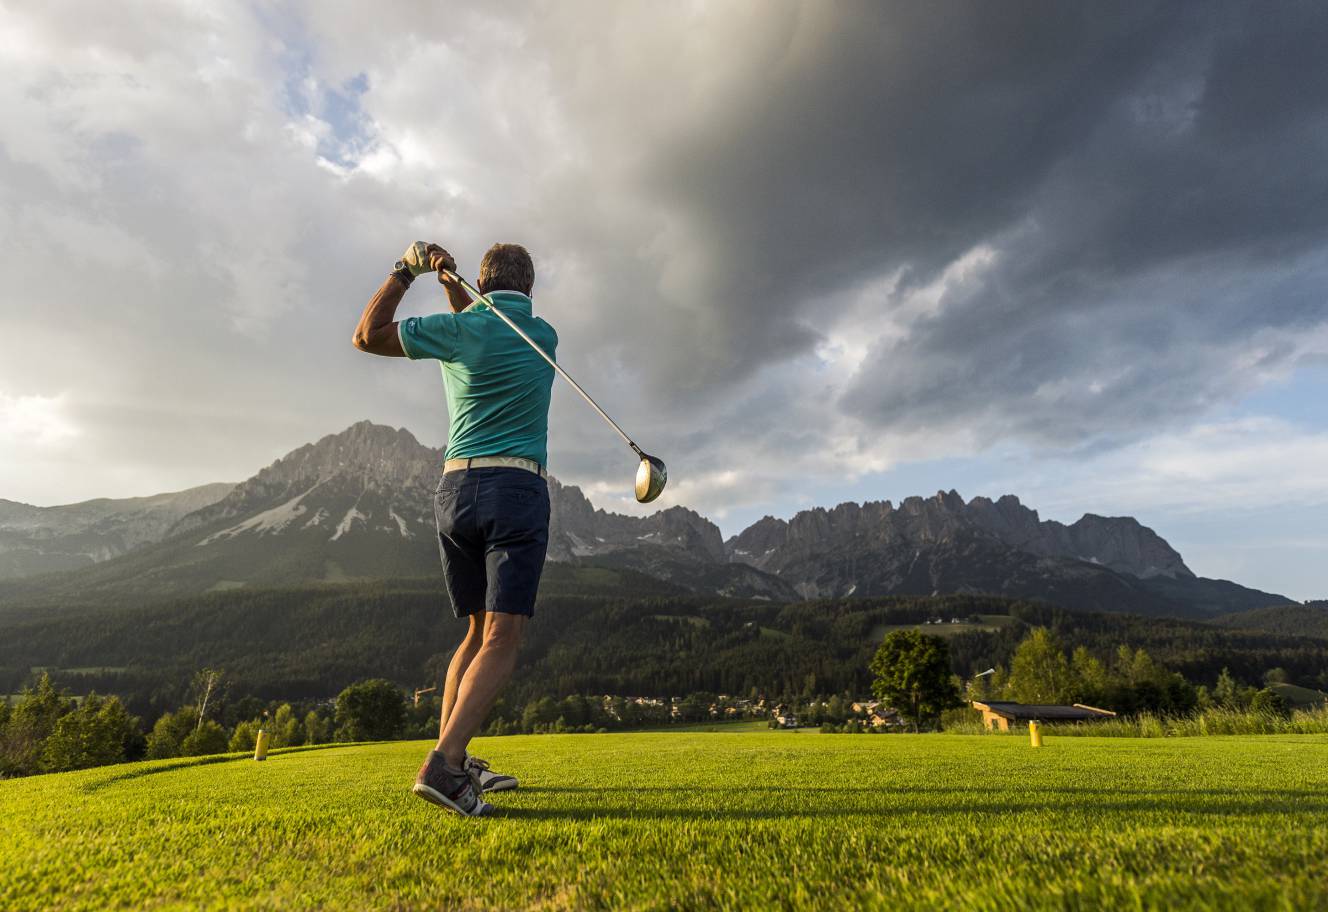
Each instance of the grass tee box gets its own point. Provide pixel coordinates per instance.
(659, 821)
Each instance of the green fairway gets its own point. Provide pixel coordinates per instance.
(664, 820)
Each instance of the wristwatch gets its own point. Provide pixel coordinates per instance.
(402, 272)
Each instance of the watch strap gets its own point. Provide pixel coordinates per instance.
(402, 273)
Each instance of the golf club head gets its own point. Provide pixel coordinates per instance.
(651, 476)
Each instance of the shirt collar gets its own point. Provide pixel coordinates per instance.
(510, 301)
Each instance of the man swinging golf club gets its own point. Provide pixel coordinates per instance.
(492, 505)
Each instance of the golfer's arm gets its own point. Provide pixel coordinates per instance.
(377, 332)
(457, 297)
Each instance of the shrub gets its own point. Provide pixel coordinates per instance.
(1270, 702)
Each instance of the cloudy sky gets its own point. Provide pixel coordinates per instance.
(806, 252)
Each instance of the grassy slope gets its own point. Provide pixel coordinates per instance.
(755, 820)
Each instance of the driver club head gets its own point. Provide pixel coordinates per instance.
(651, 476)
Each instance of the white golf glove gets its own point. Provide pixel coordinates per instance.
(416, 257)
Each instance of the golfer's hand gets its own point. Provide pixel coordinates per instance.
(440, 259)
(418, 257)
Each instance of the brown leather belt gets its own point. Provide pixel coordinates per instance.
(494, 462)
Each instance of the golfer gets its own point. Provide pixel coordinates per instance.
(492, 505)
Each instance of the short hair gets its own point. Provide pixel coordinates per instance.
(507, 267)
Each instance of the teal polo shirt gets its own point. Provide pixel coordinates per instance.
(498, 389)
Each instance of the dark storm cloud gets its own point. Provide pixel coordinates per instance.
(1149, 177)
(864, 138)
(1156, 249)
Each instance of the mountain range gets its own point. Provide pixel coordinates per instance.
(47, 539)
(357, 505)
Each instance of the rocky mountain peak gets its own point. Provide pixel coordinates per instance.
(1121, 544)
(378, 454)
(579, 529)
(328, 481)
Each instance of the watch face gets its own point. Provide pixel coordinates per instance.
(400, 265)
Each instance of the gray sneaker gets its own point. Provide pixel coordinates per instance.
(451, 788)
(488, 779)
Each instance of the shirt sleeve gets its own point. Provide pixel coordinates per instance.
(434, 336)
(551, 347)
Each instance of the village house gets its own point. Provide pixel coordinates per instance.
(883, 717)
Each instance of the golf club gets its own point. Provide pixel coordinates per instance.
(651, 475)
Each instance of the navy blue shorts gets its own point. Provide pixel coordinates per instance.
(493, 530)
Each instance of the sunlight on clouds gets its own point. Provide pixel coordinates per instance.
(1243, 463)
(880, 314)
(34, 423)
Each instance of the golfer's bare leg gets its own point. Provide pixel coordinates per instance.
(481, 683)
(456, 670)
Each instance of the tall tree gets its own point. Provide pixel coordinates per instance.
(1228, 693)
(912, 674)
(30, 723)
(1039, 672)
(170, 731)
(1089, 677)
(206, 683)
(372, 710)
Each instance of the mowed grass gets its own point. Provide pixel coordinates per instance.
(755, 820)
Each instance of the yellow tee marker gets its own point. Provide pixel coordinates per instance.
(262, 742)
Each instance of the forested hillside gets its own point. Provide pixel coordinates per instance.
(596, 631)
(1307, 619)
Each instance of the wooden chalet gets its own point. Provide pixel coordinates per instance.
(998, 715)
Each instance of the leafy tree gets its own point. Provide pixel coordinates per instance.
(1228, 693)
(372, 710)
(912, 674)
(541, 713)
(1089, 679)
(316, 729)
(286, 729)
(696, 707)
(574, 711)
(168, 733)
(1039, 672)
(244, 738)
(1181, 697)
(98, 732)
(208, 737)
(1276, 676)
(1142, 669)
(422, 717)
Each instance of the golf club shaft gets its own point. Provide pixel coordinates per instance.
(480, 296)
